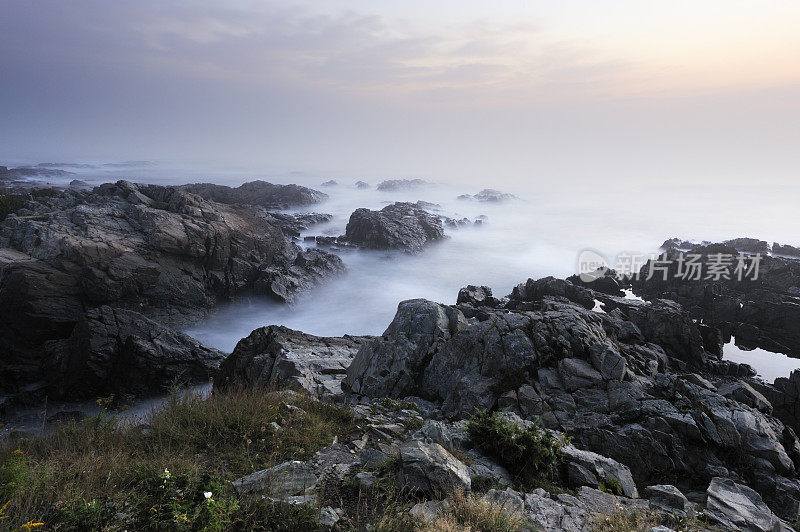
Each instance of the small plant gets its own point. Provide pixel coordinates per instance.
(531, 455)
(612, 486)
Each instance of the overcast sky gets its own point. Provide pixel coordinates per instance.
(510, 90)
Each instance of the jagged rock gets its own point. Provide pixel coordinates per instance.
(591, 469)
(509, 500)
(536, 290)
(362, 184)
(760, 312)
(329, 183)
(429, 468)
(744, 393)
(576, 373)
(738, 507)
(786, 249)
(670, 499)
(607, 360)
(477, 296)
(283, 480)
(329, 516)
(748, 245)
(401, 226)
(278, 356)
(160, 251)
(260, 193)
(394, 185)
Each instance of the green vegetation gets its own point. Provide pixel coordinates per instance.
(11, 203)
(612, 486)
(531, 455)
(173, 473)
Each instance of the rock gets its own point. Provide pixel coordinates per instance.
(607, 360)
(744, 393)
(160, 251)
(591, 469)
(276, 356)
(260, 193)
(77, 183)
(738, 507)
(537, 290)
(760, 312)
(786, 249)
(366, 478)
(401, 226)
(429, 468)
(489, 195)
(362, 185)
(329, 516)
(669, 499)
(576, 373)
(749, 245)
(395, 185)
(509, 500)
(121, 351)
(477, 296)
(283, 480)
(428, 511)
(330, 183)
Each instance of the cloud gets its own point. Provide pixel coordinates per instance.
(261, 44)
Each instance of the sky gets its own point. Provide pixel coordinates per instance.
(523, 92)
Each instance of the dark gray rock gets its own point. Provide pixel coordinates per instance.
(160, 251)
(401, 226)
(278, 356)
(670, 499)
(260, 193)
(785, 249)
(737, 507)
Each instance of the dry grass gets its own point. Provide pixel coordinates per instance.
(86, 473)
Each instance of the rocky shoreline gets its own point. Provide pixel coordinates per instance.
(649, 417)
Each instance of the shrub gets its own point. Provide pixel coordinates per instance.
(612, 486)
(530, 455)
(11, 203)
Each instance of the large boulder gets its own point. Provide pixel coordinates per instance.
(402, 226)
(737, 507)
(585, 468)
(284, 480)
(428, 468)
(278, 356)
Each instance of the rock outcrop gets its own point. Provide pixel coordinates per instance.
(489, 195)
(277, 356)
(162, 252)
(402, 226)
(760, 312)
(395, 185)
(261, 193)
(625, 384)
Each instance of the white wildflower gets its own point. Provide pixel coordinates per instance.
(207, 494)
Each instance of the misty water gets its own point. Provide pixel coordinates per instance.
(539, 234)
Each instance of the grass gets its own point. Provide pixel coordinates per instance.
(531, 455)
(11, 203)
(173, 473)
